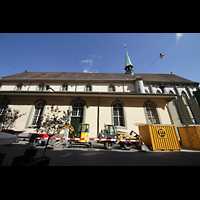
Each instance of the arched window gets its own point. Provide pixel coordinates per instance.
(77, 109)
(88, 88)
(111, 88)
(78, 106)
(38, 112)
(64, 87)
(151, 113)
(19, 86)
(41, 87)
(118, 114)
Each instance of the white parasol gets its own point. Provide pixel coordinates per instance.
(6, 138)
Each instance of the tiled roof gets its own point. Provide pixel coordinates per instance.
(165, 78)
(69, 76)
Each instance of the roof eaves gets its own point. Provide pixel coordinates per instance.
(171, 82)
(53, 79)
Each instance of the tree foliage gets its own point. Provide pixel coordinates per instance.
(51, 120)
(8, 118)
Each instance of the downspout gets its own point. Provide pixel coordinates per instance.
(29, 85)
(98, 115)
(76, 85)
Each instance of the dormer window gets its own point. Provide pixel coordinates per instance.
(19, 86)
(64, 87)
(88, 88)
(111, 88)
(41, 87)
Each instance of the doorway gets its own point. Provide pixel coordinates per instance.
(77, 116)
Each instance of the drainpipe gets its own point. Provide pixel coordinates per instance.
(76, 86)
(98, 115)
(29, 85)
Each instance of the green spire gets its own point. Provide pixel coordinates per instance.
(128, 61)
(128, 64)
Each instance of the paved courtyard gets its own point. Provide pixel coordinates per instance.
(98, 156)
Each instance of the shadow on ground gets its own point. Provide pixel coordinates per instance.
(80, 156)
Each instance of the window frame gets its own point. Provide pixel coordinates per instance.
(118, 114)
(29, 123)
(111, 86)
(37, 115)
(77, 109)
(88, 86)
(41, 85)
(155, 116)
(120, 125)
(62, 86)
(18, 87)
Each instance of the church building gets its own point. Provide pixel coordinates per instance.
(122, 99)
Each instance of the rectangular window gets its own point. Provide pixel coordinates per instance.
(37, 114)
(118, 114)
(152, 116)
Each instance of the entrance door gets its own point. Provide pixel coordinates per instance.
(77, 116)
(75, 121)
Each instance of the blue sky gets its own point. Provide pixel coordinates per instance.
(100, 52)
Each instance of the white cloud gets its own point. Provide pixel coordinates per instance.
(178, 36)
(89, 70)
(90, 62)
(86, 70)
(87, 61)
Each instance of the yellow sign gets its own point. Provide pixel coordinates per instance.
(162, 133)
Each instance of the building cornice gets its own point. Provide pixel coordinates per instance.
(167, 97)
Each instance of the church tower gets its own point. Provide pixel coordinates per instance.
(128, 64)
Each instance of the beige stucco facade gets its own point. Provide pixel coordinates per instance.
(96, 112)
